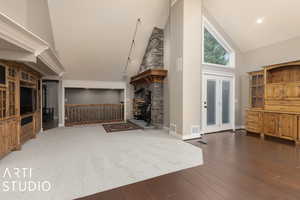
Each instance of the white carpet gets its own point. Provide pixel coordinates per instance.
(81, 161)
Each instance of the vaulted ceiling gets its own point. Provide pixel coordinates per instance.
(238, 19)
(93, 37)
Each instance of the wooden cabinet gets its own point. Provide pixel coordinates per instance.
(12, 98)
(12, 126)
(280, 113)
(4, 143)
(270, 124)
(9, 138)
(37, 122)
(257, 89)
(27, 128)
(274, 92)
(27, 77)
(3, 105)
(283, 87)
(254, 121)
(291, 91)
(287, 127)
(274, 124)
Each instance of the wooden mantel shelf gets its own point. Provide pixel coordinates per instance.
(149, 76)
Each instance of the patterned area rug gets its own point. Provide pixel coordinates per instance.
(110, 128)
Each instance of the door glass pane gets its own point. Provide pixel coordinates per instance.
(225, 102)
(211, 102)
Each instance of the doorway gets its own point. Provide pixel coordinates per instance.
(50, 104)
(218, 102)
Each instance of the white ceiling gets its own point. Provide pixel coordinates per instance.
(238, 19)
(93, 37)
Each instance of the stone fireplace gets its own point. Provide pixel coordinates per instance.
(148, 97)
(148, 84)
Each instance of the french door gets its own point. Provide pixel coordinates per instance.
(218, 103)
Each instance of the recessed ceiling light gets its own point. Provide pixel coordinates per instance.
(260, 20)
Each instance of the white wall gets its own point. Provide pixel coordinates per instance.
(185, 65)
(192, 52)
(38, 20)
(285, 51)
(92, 96)
(175, 68)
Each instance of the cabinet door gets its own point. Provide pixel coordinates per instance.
(4, 149)
(12, 130)
(254, 121)
(3, 105)
(288, 126)
(274, 91)
(292, 91)
(12, 103)
(271, 124)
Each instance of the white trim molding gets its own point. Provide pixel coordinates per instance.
(23, 39)
(240, 127)
(192, 136)
(16, 55)
(18, 35)
(35, 67)
(49, 58)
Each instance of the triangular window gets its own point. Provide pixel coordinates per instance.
(215, 49)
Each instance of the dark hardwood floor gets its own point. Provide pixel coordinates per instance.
(236, 167)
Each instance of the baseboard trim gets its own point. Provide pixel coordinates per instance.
(240, 127)
(191, 136)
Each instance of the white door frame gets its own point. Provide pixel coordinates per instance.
(220, 75)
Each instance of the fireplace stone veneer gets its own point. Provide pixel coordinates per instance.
(152, 81)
